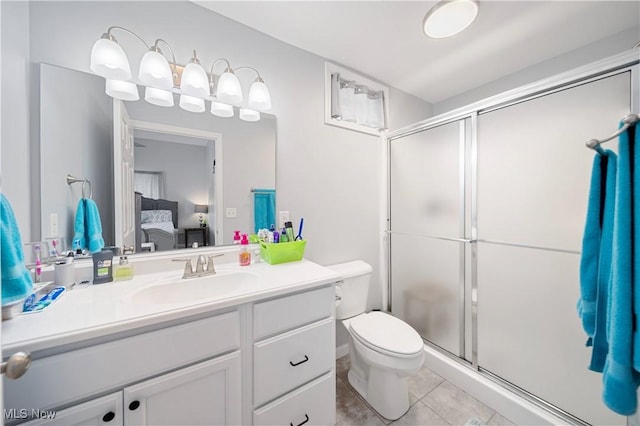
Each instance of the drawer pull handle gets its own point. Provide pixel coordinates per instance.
(108, 417)
(306, 419)
(306, 358)
(134, 405)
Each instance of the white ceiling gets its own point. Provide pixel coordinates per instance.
(384, 39)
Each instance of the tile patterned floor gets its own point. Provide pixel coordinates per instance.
(434, 401)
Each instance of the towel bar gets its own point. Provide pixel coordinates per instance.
(72, 179)
(628, 121)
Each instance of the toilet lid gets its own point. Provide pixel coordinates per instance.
(388, 333)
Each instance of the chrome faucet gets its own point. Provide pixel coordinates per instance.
(200, 266)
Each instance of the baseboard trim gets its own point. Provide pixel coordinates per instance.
(342, 350)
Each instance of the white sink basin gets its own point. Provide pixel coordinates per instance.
(192, 290)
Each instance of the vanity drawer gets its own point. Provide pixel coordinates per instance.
(286, 313)
(78, 374)
(287, 361)
(313, 404)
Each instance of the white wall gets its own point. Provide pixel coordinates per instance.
(15, 169)
(617, 43)
(326, 174)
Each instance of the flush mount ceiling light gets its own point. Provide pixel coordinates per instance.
(449, 17)
(160, 77)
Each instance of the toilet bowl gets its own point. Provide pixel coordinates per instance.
(383, 349)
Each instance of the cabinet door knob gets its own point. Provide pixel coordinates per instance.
(108, 417)
(16, 365)
(306, 358)
(306, 419)
(134, 405)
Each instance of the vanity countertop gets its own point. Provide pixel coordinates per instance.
(105, 309)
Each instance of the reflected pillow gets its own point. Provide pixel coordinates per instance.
(152, 216)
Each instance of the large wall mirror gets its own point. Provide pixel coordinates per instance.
(198, 167)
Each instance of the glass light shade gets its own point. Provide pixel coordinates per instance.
(122, 90)
(221, 110)
(109, 60)
(229, 90)
(155, 71)
(194, 81)
(191, 104)
(249, 115)
(158, 97)
(448, 18)
(259, 97)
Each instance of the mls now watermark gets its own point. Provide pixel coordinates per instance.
(25, 413)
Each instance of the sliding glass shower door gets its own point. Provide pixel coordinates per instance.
(428, 230)
(486, 219)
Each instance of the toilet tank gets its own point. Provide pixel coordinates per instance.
(355, 288)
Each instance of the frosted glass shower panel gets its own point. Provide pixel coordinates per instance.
(426, 276)
(529, 332)
(425, 179)
(533, 178)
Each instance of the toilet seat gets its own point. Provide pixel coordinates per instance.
(386, 334)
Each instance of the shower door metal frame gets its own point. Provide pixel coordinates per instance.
(617, 64)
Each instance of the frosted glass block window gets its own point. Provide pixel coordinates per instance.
(355, 102)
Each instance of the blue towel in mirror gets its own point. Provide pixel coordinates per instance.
(16, 279)
(264, 208)
(88, 227)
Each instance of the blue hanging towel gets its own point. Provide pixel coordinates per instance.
(264, 208)
(635, 149)
(16, 279)
(88, 227)
(620, 380)
(595, 263)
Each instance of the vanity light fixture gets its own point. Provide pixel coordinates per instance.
(122, 90)
(248, 115)
(191, 103)
(108, 59)
(449, 17)
(221, 110)
(161, 80)
(194, 79)
(159, 97)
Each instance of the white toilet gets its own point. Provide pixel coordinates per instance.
(383, 349)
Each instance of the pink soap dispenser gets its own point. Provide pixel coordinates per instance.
(245, 254)
(236, 237)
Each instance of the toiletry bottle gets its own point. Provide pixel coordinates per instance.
(276, 237)
(283, 236)
(102, 267)
(245, 254)
(236, 237)
(123, 270)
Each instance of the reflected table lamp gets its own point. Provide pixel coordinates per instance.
(201, 209)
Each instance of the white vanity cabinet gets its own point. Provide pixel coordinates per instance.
(182, 374)
(207, 393)
(294, 359)
(267, 359)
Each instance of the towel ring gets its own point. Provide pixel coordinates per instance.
(72, 179)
